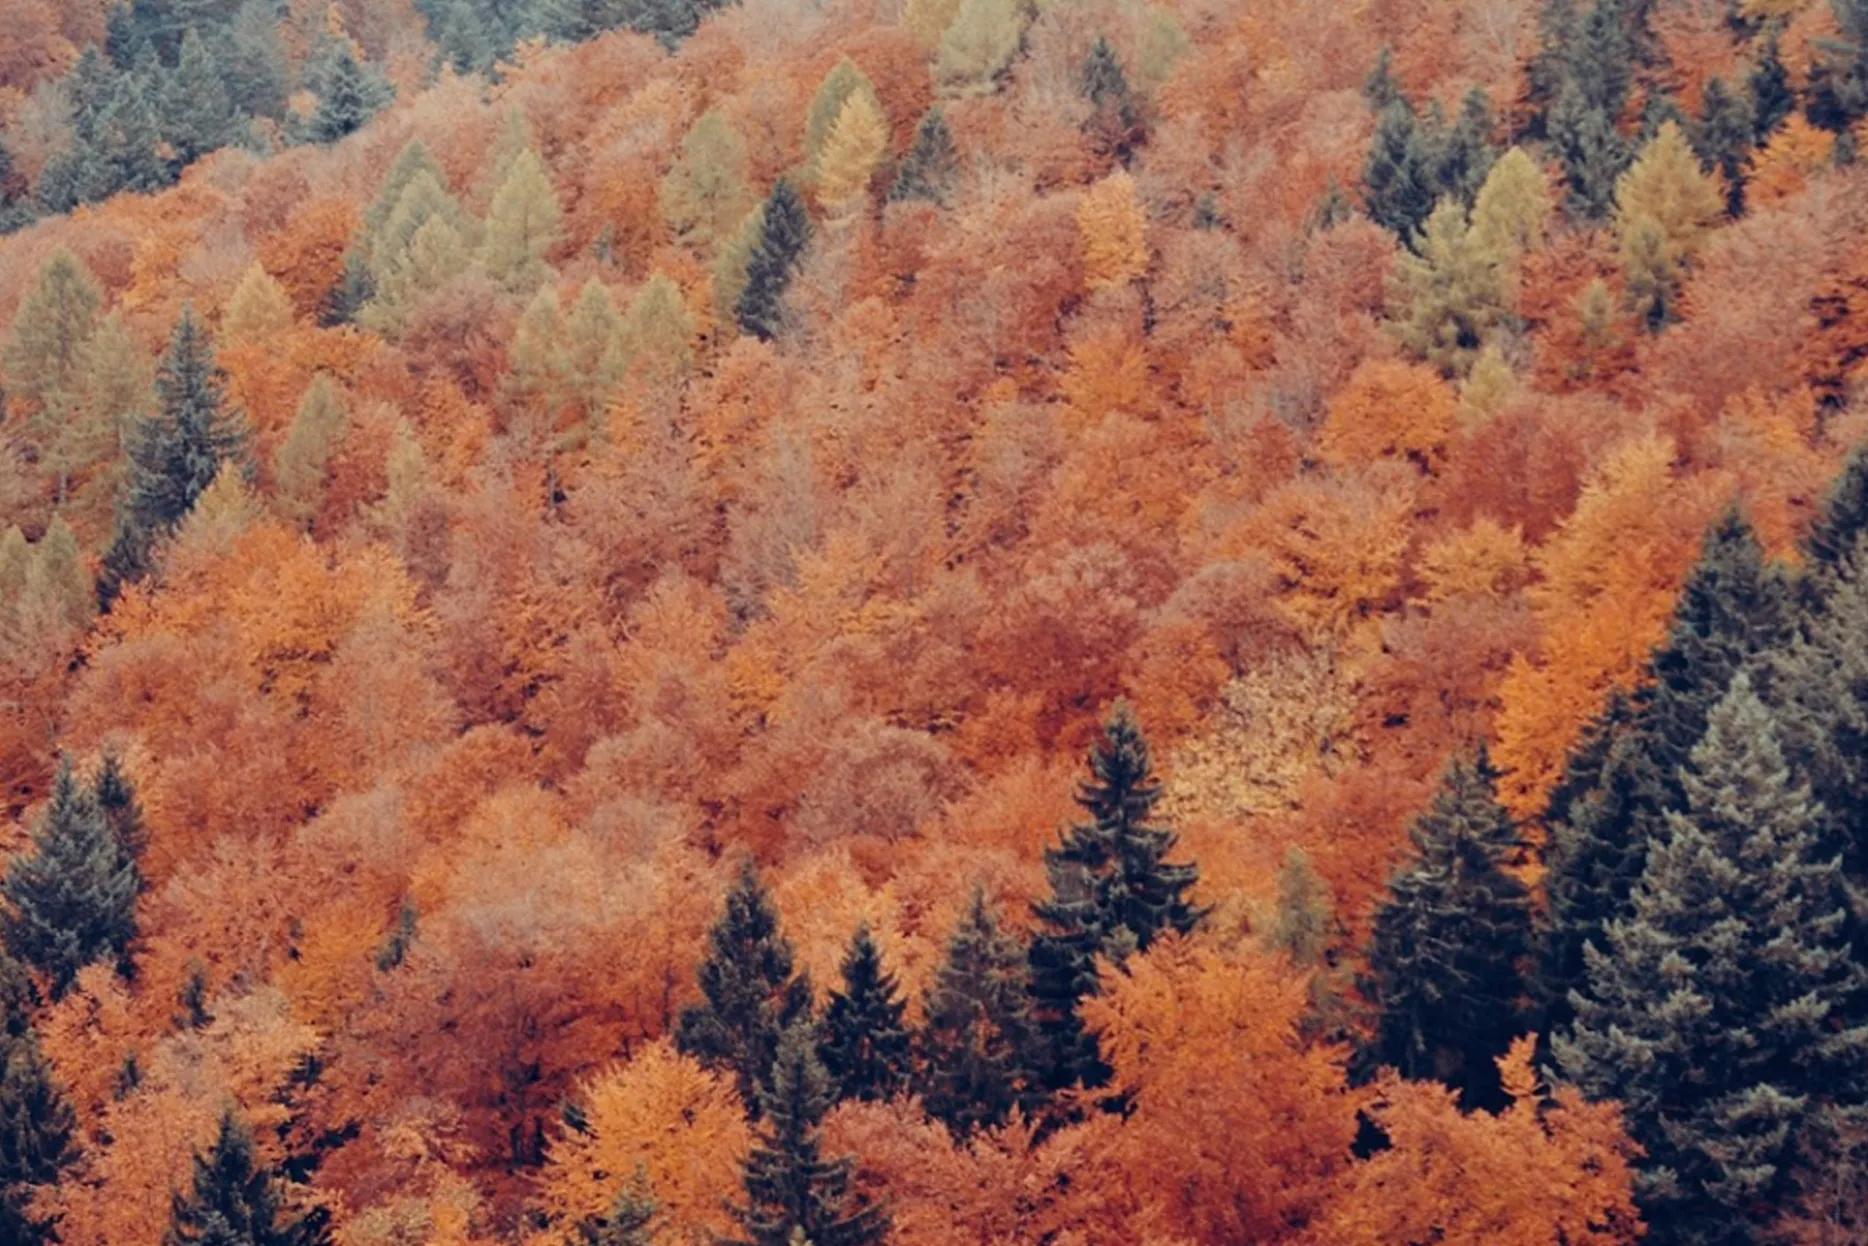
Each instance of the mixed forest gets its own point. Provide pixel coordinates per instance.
(947, 622)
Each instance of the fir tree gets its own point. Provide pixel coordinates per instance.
(173, 455)
(928, 170)
(130, 139)
(1381, 88)
(1833, 543)
(235, 1200)
(977, 1045)
(254, 61)
(354, 289)
(1724, 139)
(123, 812)
(197, 110)
(348, 91)
(1592, 151)
(1114, 122)
(1447, 955)
(784, 231)
(1467, 154)
(751, 993)
(793, 1192)
(1768, 86)
(1113, 891)
(1717, 1010)
(706, 194)
(1838, 80)
(37, 1127)
(865, 1043)
(1399, 187)
(71, 898)
(299, 463)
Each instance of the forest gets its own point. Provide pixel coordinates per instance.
(937, 622)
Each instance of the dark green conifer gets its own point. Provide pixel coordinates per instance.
(235, 1200)
(354, 289)
(348, 91)
(1723, 139)
(254, 61)
(197, 110)
(1113, 891)
(1838, 80)
(865, 1043)
(927, 171)
(1468, 152)
(1381, 88)
(1114, 119)
(1399, 181)
(1447, 957)
(751, 992)
(37, 1142)
(1719, 1010)
(793, 1192)
(1768, 85)
(783, 235)
(977, 1045)
(71, 897)
(1593, 153)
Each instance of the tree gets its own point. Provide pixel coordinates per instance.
(1113, 892)
(595, 350)
(37, 1127)
(348, 92)
(706, 193)
(523, 225)
(1113, 232)
(174, 454)
(254, 63)
(751, 994)
(1724, 139)
(1663, 206)
(865, 1044)
(1768, 86)
(71, 898)
(1720, 1010)
(979, 43)
(259, 310)
(1446, 959)
(977, 1044)
(299, 464)
(1115, 119)
(1511, 212)
(927, 171)
(632, 1219)
(1451, 292)
(852, 150)
(1838, 76)
(235, 1201)
(197, 110)
(55, 321)
(843, 82)
(784, 231)
(793, 1192)
(654, 338)
(1399, 188)
(1593, 152)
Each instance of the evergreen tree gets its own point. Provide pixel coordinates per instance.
(464, 37)
(1467, 154)
(1717, 1009)
(1768, 85)
(1114, 122)
(413, 163)
(928, 170)
(354, 289)
(197, 109)
(1592, 151)
(784, 231)
(235, 1200)
(631, 1220)
(1399, 186)
(977, 1044)
(1724, 139)
(865, 1043)
(1113, 891)
(1663, 205)
(523, 224)
(71, 898)
(130, 138)
(573, 21)
(254, 63)
(653, 340)
(793, 1192)
(843, 81)
(123, 35)
(752, 995)
(123, 812)
(1381, 88)
(1838, 80)
(1833, 543)
(37, 1127)
(173, 455)
(1511, 212)
(1447, 954)
(348, 91)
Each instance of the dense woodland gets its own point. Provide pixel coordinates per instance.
(951, 622)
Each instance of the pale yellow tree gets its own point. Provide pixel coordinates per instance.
(1113, 232)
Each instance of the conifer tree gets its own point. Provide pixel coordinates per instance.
(1451, 292)
(254, 62)
(355, 287)
(751, 993)
(37, 1128)
(656, 334)
(632, 1219)
(976, 1048)
(235, 1200)
(411, 163)
(258, 310)
(1115, 115)
(729, 267)
(174, 454)
(1592, 151)
(1467, 153)
(1306, 930)
(299, 464)
(523, 224)
(1113, 892)
(1723, 139)
(348, 92)
(197, 110)
(123, 812)
(594, 348)
(71, 898)
(1720, 1009)
(438, 251)
(979, 43)
(1446, 959)
(1511, 212)
(1838, 78)
(57, 584)
(1399, 187)
(793, 1192)
(852, 151)
(45, 350)
(784, 231)
(843, 81)
(927, 171)
(865, 1044)
(1834, 539)
(1768, 85)
(706, 194)
(1663, 205)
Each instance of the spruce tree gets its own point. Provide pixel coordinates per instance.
(1838, 80)
(123, 812)
(1718, 1010)
(1466, 155)
(355, 287)
(977, 1046)
(865, 1043)
(1113, 891)
(197, 109)
(37, 1127)
(1768, 86)
(793, 1192)
(254, 61)
(784, 231)
(71, 897)
(1446, 959)
(235, 1200)
(348, 92)
(751, 993)
(1399, 186)
(1115, 116)
(298, 466)
(928, 170)
(1723, 139)
(1592, 151)
(1834, 540)
(130, 139)
(174, 454)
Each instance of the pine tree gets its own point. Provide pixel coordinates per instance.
(173, 455)
(235, 1200)
(1838, 78)
(1723, 139)
(1451, 293)
(793, 1192)
(524, 223)
(464, 37)
(729, 267)
(71, 898)
(129, 138)
(348, 92)
(865, 1044)
(977, 1046)
(58, 586)
(197, 109)
(594, 348)
(1834, 539)
(355, 287)
(928, 170)
(1115, 116)
(1113, 891)
(412, 163)
(123, 812)
(258, 310)
(1399, 188)
(752, 995)
(37, 1127)
(298, 466)
(1511, 212)
(784, 231)
(1593, 153)
(1717, 1010)
(655, 336)
(1306, 930)
(706, 193)
(1446, 958)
